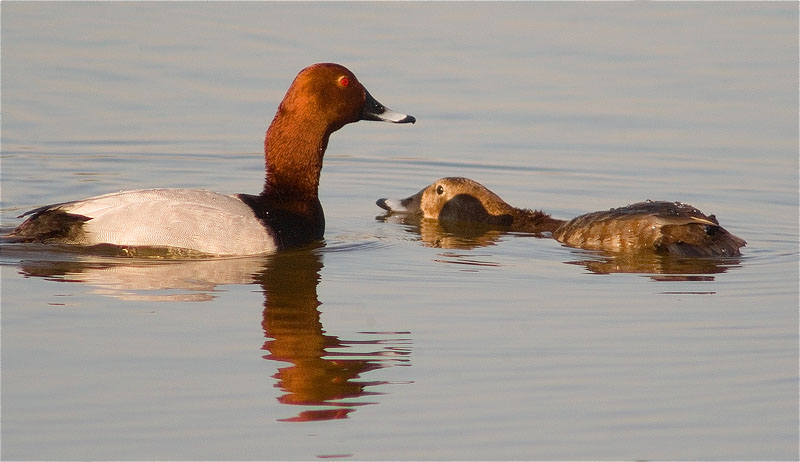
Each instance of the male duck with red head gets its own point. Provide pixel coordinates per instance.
(322, 99)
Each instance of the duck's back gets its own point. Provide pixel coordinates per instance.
(194, 219)
(668, 227)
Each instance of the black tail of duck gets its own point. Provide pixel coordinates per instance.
(664, 227)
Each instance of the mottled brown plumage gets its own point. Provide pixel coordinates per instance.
(665, 227)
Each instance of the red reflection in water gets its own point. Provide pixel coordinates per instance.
(322, 370)
(322, 414)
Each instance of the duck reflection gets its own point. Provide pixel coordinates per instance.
(323, 373)
(144, 280)
(447, 235)
(660, 267)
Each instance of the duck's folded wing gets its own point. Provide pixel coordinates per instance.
(669, 227)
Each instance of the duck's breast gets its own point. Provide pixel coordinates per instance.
(198, 220)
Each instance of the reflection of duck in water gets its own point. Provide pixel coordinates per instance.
(447, 235)
(319, 374)
(665, 227)
(323, 371)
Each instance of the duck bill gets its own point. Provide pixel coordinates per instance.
(411, 205)
(373, 110)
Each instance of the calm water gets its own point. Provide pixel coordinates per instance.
(390, 340)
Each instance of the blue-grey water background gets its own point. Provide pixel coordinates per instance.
(391, 341)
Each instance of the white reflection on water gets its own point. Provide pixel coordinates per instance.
(325, 371)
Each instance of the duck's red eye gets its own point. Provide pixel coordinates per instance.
(344, 81)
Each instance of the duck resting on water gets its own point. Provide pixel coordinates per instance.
(322, 98)
(670, 228)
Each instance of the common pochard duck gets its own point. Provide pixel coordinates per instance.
(664, 227)
(322, 99)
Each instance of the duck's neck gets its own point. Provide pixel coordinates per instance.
(534, 221)
(293, 151)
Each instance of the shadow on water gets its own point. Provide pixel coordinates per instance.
(324, 371)
(448, 235)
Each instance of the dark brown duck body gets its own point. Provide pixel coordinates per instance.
(664, 227)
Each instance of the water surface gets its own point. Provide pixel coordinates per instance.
(392, 340)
